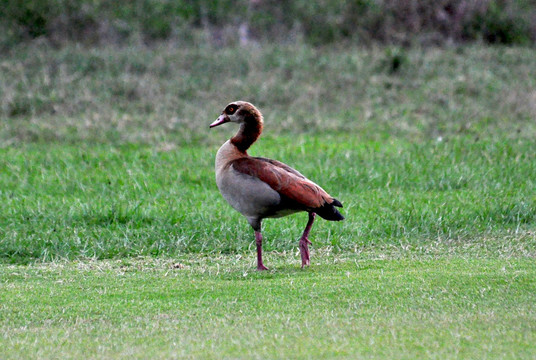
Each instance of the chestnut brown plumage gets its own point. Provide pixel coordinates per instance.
(263, 188)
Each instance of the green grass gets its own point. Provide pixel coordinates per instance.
(376, 305)
(167, 95)
(106, 181)
(103, 202)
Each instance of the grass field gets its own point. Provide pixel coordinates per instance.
(101, 201)
(115, 242)
(379, 304)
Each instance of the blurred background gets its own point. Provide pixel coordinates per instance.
(227, 22)
(158, 71)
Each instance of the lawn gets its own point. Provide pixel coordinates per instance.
(375, 304)
(101, 201)
(115, 242)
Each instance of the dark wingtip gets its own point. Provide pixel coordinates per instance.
(328, 211)
(336, 203)
(338, 216)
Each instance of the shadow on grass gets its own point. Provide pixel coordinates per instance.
(11, 256)
(114, 216)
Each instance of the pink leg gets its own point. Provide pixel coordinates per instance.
(258, 240)
(304, 241)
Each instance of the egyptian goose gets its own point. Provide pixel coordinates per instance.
(261, 188)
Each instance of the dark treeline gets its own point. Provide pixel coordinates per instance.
(225, 22)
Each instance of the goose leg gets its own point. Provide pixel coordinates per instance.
(304, 240)
(258, 240)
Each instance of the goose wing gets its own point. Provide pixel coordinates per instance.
(285, 180)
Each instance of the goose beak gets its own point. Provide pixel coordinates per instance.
(220, 120)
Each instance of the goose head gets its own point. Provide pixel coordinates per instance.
(240, 112)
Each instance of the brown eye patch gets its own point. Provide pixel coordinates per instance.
(230, 109)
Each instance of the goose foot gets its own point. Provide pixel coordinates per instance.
(261, 267)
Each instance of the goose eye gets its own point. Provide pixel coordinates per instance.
(231, 110)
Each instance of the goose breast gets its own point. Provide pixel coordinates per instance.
(247, 194)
